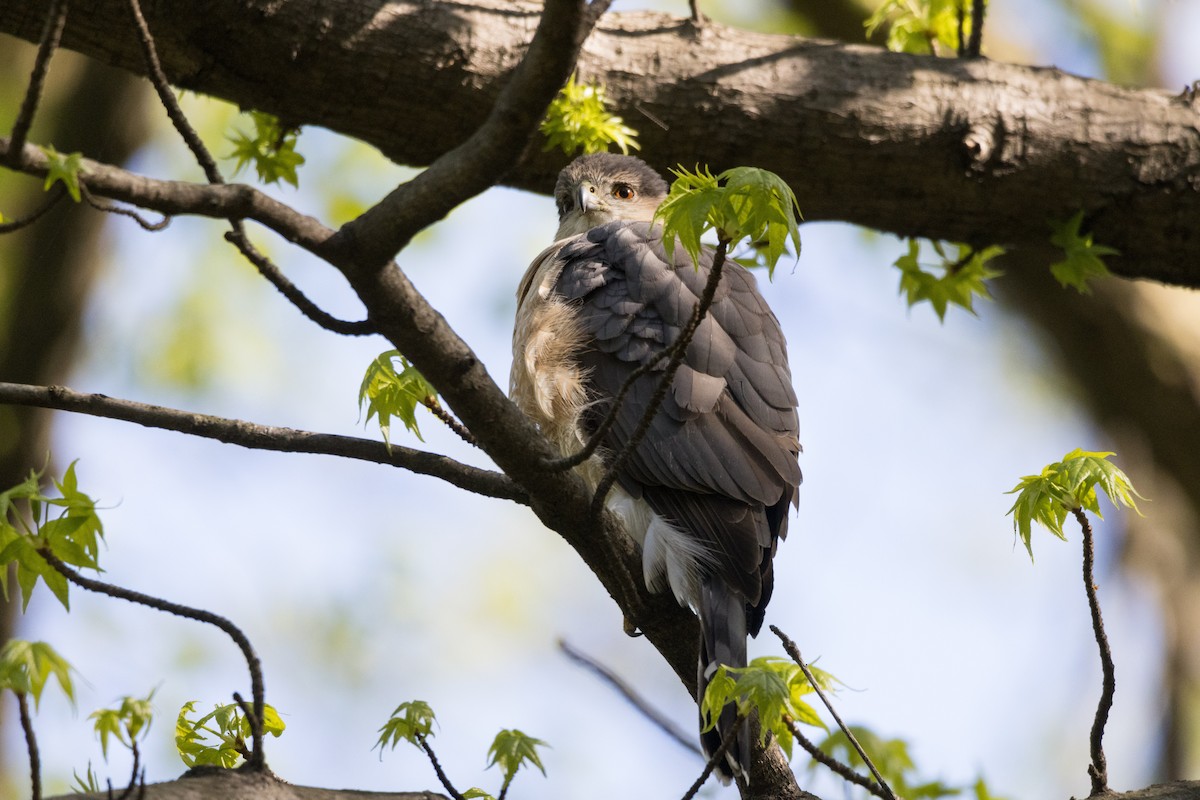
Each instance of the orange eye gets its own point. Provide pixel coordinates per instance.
(623, 191)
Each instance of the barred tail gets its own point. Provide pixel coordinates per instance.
(723, 641)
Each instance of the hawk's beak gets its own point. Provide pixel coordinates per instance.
(588, 200)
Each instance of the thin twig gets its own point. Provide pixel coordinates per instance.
(437, 767)
(962, 28)
(162, 87)
(133, 777)
(109, 208)
(975, 44)
(635, 699)
(844, 771)
(727, 741)
(593, 443)
(267, 437)
(237, 237)
(256, 761)
(56, 20)
(35, 764)
(448, 419)
(56, 193)
(1098, 769)
(678, 350)
(794, 652)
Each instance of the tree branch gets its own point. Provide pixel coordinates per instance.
(266, 437)
(1058, 143)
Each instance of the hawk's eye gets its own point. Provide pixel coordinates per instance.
(623, 191)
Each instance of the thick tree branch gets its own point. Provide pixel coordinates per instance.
(963, 150)
(266, 437)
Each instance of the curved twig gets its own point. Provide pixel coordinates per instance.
(1098, 769)
(256, 761)
(109, 208)
(678, 349)
(267, 437)
(56, 20)
(237, 237)
(56, 193)
(794, 652)
(35, 764)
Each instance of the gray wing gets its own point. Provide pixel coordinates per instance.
(719, 459)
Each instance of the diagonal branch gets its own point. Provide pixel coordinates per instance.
(266, 437)
(491, 150)
(56, 20)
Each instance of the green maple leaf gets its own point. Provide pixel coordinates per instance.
(1062, 487)
(579, 118)
(1083, 258)
(63, 168)
(740, 203)
(412, 722)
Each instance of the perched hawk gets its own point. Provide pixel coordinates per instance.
(706, 491)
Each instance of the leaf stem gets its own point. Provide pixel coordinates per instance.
(1098, 769)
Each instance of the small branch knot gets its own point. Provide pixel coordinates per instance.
(980, 145)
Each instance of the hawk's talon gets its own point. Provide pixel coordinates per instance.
(631, 630)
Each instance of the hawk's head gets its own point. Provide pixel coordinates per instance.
(605, 187)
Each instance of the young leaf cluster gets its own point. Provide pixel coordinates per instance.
(219, 737)
(390, 393)
(740, 203)
(126, 723)
(962, 278)
(26, 667)
(67, 526)
(773, 687)
(1067, 485)
(579, 119)
(413, 720)
(920, 26)
(63, 168)
(895, 765)
(271, 149)
(1083, 258)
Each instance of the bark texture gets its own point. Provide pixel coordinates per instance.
(962, 150)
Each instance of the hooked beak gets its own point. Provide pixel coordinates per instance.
(588, 200)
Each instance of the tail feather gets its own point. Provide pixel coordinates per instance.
(722, 614)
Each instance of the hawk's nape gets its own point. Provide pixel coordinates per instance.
(706, 491)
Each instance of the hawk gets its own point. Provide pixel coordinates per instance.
(706, 492)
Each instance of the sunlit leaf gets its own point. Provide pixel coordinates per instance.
(25, 667)
(1061, 487)
(390, 393)
(740, 203)
(63, 168)
(412, 722)
(579, 119)
(512, 749)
